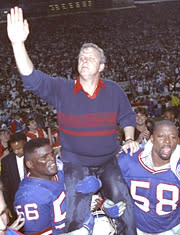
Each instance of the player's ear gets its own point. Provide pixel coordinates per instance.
(29, 164)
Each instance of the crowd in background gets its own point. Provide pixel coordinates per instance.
(141, 45)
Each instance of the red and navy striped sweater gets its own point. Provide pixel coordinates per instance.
(87, 126)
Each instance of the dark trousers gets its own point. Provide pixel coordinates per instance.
(113, 188)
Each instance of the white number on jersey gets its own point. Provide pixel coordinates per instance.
(144, 203)
(31, 210)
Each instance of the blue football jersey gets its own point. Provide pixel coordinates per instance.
(156, 194)
(10, 231)
(177, 171)
(42, 204)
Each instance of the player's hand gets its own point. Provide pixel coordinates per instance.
(114, 210)
(97, 204)
(17, 27)
(18, 223)
(132, 145)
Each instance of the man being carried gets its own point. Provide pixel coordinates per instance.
(88, 111)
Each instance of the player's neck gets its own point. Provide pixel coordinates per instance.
(51, 178)
(158, 162)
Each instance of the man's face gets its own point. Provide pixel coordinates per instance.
(89, 62)
(3, 215)
(140, 119)
(169, 116)
(43, 162)
(164, 139)
(32, 125)
(17, 148)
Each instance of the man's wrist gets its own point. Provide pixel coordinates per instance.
(129, 140)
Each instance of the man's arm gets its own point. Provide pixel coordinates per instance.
(18, 31)
(129, 140)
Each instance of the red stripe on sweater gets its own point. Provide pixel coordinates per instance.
(87, 133)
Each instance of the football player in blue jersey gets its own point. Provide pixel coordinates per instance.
(153, 184)
(41, 198)
(153, 177)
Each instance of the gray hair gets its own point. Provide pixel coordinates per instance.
(100, 50)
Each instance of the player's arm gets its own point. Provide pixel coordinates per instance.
(18, 31)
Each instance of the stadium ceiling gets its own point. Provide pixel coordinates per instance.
(44, 8)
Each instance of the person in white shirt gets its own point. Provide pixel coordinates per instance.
(13, 169)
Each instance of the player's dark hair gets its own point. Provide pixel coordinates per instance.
(164, 122)
(17, 137)
(33, 144)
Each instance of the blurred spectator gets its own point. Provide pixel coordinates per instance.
(13, 169)
(142, 134)
(169, 114)
(150, 125)
(4, 138)
(17, 124)
(33, 130)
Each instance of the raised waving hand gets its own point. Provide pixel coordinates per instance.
(18, 30)
(17, 26)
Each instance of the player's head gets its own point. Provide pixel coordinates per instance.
(3, 215)
(40, 158)
(164, 139)
(17, 142)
